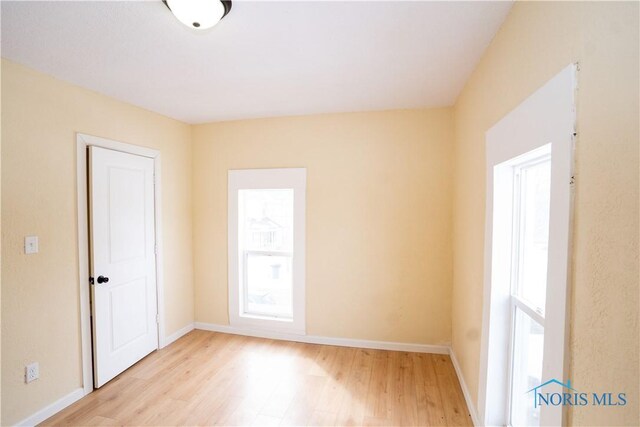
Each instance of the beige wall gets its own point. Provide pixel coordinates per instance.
(536, 41)
(378, 217)
(40, 304)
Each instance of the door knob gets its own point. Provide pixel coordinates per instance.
(102, 279)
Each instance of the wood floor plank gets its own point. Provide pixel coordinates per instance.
(372, 421)
(429, 410)
(352, 410)
(305, 400)
(455, 408)
(321, 418)
(435, 415)
(102, 421)
(409, 409)
(324, 360)
(266, 421)
(394, 387)
(331, 396)
(210, 378)
(425, 368)
(377, 404)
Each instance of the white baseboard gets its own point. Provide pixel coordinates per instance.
(311, 339)
(465, 390)
(54, 408)
(176, 335)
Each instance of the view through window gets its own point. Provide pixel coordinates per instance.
(266, 248)
(529, 251)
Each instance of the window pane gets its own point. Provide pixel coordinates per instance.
(533, 233)
(266, 246)
(269, 285)
(528, 344)
(266, 219)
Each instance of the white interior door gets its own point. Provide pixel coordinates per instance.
(124, 309)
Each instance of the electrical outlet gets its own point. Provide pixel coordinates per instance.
(31, 245)
(31, 372)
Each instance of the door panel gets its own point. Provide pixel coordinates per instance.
(124, 309)
(126, 214)
(128, 312)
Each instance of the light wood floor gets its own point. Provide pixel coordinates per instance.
(208, 378)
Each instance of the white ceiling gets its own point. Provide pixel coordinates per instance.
(263, 59)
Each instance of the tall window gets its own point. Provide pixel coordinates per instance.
(529, 155)
(529, 253)
(265, 238)
(266, 248)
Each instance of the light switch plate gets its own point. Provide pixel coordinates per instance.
(31, 245)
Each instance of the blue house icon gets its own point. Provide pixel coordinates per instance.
(551, 381)
(554, 381)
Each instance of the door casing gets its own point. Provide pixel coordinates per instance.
(83, 141)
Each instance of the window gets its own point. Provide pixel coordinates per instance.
(266, 249)
(530, 195)
(528, 217)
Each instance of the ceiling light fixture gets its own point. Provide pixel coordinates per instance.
(199, 14)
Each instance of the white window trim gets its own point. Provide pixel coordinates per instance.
(295, 178)
(547, 116)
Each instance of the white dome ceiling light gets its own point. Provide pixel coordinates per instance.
(199, 14)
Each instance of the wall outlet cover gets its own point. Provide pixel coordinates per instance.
(31, 245)
(32, 372)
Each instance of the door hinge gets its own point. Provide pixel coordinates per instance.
(155, 248)
(157, 318)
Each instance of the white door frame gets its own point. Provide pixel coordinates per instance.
(83, 141)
